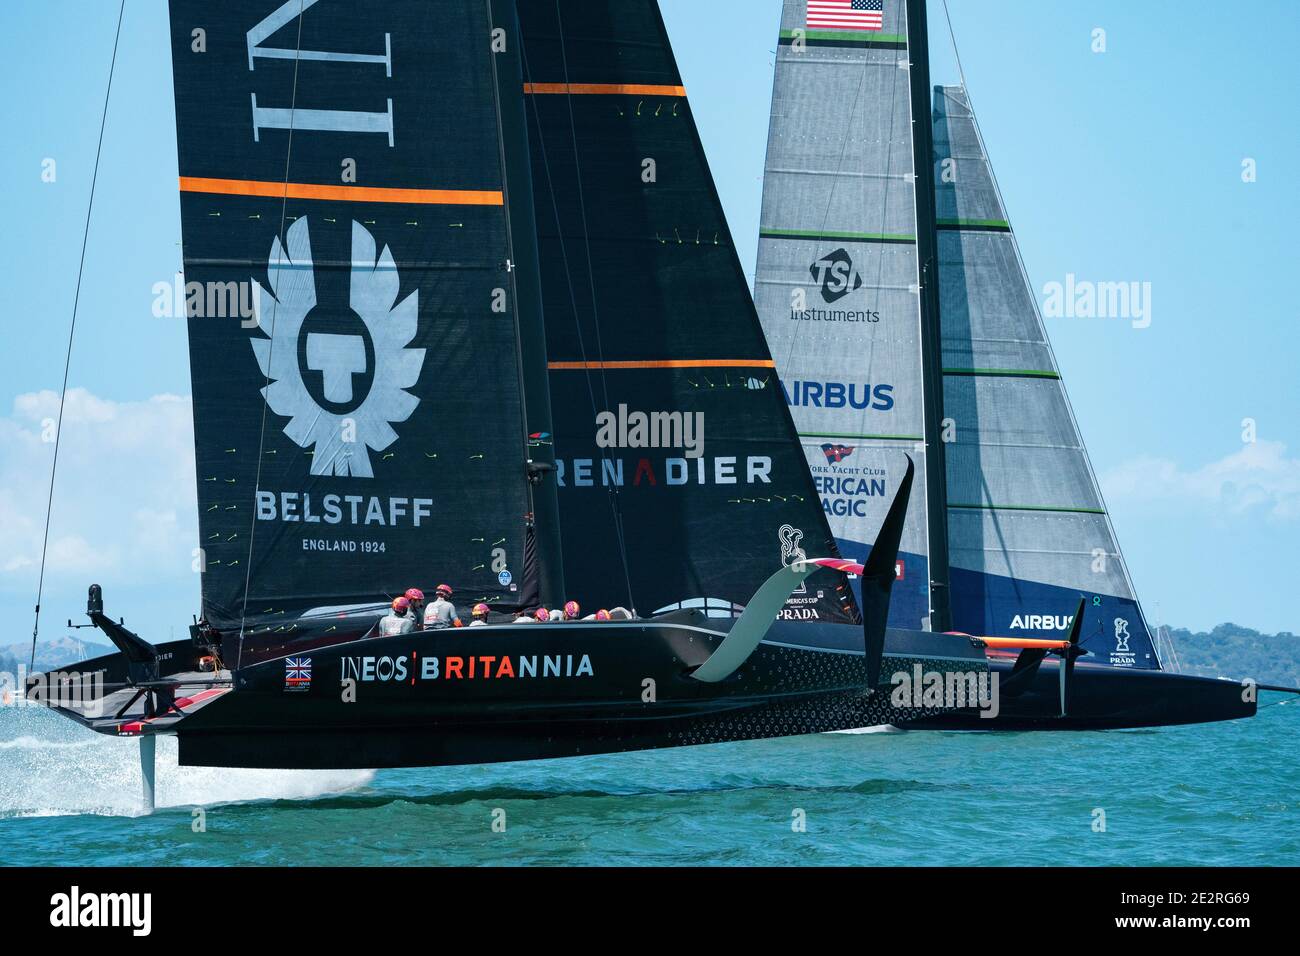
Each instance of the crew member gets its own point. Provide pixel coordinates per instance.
(400, 621)
(571, 610)
(441, 613)
(602, 615)
(542, 615)
(416, 597)
(480, 614)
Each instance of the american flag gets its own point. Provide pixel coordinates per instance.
(836, 453)
(297, 673)
(846, 14)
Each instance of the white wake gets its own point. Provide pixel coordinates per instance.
(50, 766)
(878, 729)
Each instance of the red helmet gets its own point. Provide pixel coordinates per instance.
(414, 594)
(542, 615)
(571, 610)
(480, 610)
(401, 605)
(602, 615)
(442, 589)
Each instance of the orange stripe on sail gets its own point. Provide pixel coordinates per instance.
(269, 190)
(665, 363)
(606, 89)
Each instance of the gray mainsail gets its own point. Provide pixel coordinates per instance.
(837, 280)
(1028, 531)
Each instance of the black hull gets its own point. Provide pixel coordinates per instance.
(505, 693)
(1103, 698)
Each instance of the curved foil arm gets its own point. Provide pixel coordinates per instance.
(759, 614)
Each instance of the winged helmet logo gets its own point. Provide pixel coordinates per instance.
(340, 439)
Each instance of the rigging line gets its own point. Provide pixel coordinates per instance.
(67, 360)
(1024, 273)
(270, 353)
(573, 302)
(960, 72)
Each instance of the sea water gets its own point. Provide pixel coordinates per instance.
(1220, 794)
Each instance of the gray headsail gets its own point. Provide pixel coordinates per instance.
(838, 274)
(1028, 531)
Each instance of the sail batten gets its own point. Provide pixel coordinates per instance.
(286, 190)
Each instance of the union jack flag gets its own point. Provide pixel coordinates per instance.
(837, 453)
(297, 673)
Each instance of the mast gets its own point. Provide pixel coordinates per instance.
(526, 279)
(927, 250)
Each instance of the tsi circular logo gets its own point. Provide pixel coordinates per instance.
(342, 385)
(504, 578)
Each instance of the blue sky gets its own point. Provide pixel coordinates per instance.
(1116, 166)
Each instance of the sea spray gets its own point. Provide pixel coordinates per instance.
(53, 767)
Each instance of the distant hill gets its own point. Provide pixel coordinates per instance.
(1235, 652)
(50, 654)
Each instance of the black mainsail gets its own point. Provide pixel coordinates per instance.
(342, 162)
(652, 334)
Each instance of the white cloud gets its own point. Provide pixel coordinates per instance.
(1259, 476)
(124, 498)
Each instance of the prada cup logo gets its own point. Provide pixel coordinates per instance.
(342, 387)
(836, 274)
(1121, 635)
(791, 554)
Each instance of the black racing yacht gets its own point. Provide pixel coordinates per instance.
(893, 296)
(500, 337)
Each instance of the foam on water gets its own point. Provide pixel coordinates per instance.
(49, 766)
(879, 729)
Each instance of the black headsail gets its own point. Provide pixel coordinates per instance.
(681, 477)
(357, 396)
